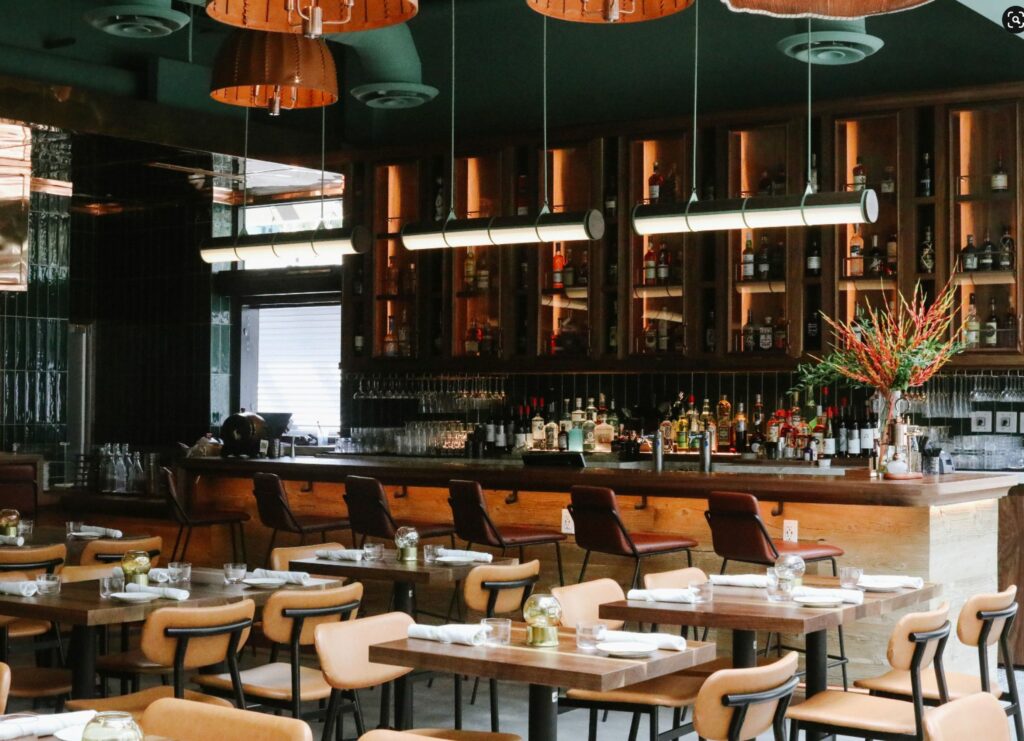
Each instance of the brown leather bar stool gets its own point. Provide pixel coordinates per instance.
(370, 515)
(202, 518)
(276, 513)
(599, 528)
(19, 490)
(974, 716)
(474, 525)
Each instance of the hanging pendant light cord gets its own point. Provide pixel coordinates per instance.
(451, 180)
(696, 57)
(809, 66)
(245, 169)
(323, 158)
(544, 109)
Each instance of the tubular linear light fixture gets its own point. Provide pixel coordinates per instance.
(828, 9)
(608, 11)
(286, 247)
(312, 17)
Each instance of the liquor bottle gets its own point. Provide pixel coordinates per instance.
(551, 430)
(439, 210)
(972, 334)
(682, 428)
(747, 261)
(858, 323)
(926, 253)
(654, 183)
(876, 260)
(613, 328)
(469, 269)
(662, 269)
(650, 337)
(705, 415)
(740, 429)
(565, 421)
(888, 184)
(987, 254)
(764, 261)
(749, 333)
(404, 335)
(969, 255)
(758, 420)
(390, 340)
(991, 331)
(522, 195)
(589, 427)
(583, 269)
(694, 417)
(1009, 327)
(500, 436)
(855, 265)
(392, 277)
(483, 273)
(724, 422)
(764, 184)
(537, 425)
(891, 254)
(557, 265)
(924, 183)
(1000, 177)
(867, 432)
(604, 434)
(1007, 250)
(568, 270)
(841, 440)
(710, 333)
(812, 330)
(813, 259)
(765, 335)
(471, 345)
(853, 441)
(860, 175)
(578, 415)
(814, 173)
(650, 276)
(779, 334)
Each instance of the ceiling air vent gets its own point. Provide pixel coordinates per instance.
(394, 95)
(142, 19)
(832, 43)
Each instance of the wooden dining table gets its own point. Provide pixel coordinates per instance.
(543, 669)
(45, 535)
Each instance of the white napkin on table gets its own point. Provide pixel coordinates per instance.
(43, 725)
(290, 577)
(19, 588)
(850, 596)
(165, 592)
(663, 641)
(344, 554)
(467, 635)
(890, 581)
(686, 596)
(478, 556)
(755, 581)
(106, 532)
(157, 576)
(11, 540)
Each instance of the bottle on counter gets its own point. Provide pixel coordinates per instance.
(1007, 251)
(724, 423)
(589, 427)
(654, 183)
(972, 326)
(969, 255)
(747, 261)
(537, 425)
(740, 429)
(853, 444)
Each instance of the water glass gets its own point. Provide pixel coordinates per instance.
(179, 572)
(73, 527)
(430, 553)
(112, 726)
(849, 576)
(499, 631)
(234, 573)
(111, 585)
(779, 590)
(588, 635)
(48, 583)
(25, 528)
(373, 551)
(703, 593)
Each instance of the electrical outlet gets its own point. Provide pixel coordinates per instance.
(568, 526)
(790, 529)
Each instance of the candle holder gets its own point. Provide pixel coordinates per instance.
(9, 519)
(543, 615)
(791, 567)
(406, 540)
(136, 566)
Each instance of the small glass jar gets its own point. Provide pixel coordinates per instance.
(406, 540)
(136, 565)
(9, 519)
(790, 567)
(112, 727)
(543, 615)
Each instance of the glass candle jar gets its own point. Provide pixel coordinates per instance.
(543, 615)
(406, 540)
(9, 519)
(112, 727)
(791, 567)
(136, 565)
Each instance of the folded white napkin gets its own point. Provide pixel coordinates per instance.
(43, 725)
(156, 576)
(165, 592)
(19, 588)
(889, 581)
(106, 532)
(756, 581)
(11, 540)
(850, 596)
(344, 554)
(467, 635)
(661, 640)
(479, 556)
(662, 595)
(291, 577)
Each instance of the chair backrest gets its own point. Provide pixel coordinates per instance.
(499, 590)
(581, 602)
(192, 637)
(383, 734)
(344, 650)
(908, 647)
(676, 579)
(5, 686)
(34, 560)
(281, 557)
(18, 488)
(178, 508)
(595, 513)
(187, 720)
(292, 615)
(736, 704)
(977, 716)
(970, 625)
(368, 510)
(109, 550)
(469, 513)
(272, 502)
(6, 620)
(737, 531)
(71, 574)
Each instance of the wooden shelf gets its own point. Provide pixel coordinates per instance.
(986, 278)
(667, 291)
(985, 197)
(867, 284)
(761, 286)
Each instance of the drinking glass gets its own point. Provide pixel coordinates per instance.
(179, 572)
(703, 593)
(589, 634)
(849, 576)
(25, 528)
(779, 590)
(72, 527)
(110, 585)
(112, 726)
(48, 583)
(234, 573)
(430, 553)
(373, 551)
(499, 631)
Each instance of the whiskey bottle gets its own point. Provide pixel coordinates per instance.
(654, 183)
(876, 260)
(987, 254)
(860, 175)
(764, 259)
(569, 270)
(1000, 177)
(924, 183)
(766, 334)
(969, 255)
(1007, 250)
(749, 333)
(537, 425)
(747, 261)
(991, 331)
(551, 431)
(471, 345)
(855, 264)
(812, 330)
(724, 423)
(926, 253)
(1009, 327)
(589, 427)
(557, 266)
(891, 254)
(740, 429)
(662, 269)
(972, 327)
(390, 340)
(469, 269)
(814, 259)
(650, 266)
(682, 429)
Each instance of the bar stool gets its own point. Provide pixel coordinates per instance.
(19, 490)
(370, 515)
(186, 720)
(202, 518)
(276, 513)
(599, 528)
(474, 525)
(974, 716)
(111, 550)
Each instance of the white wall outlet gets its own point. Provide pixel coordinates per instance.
(568, 526)
(1006, 422)
(790, 529)
(981, 421)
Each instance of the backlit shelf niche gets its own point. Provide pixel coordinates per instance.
(396, 278)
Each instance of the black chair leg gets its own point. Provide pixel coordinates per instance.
(188, 539)
(457, 680)
(385, 706)
(634, 727)
(494, 705)
(654, 723)
(177, 540)
(270, 548)
(725, 562)
(558, 556)
(358, 708)
(583, 568)
(592, 732)
(472, 695)
(842, 655)
(689, 557)
(794, 731)
(332, 715)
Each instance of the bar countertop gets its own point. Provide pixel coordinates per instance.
(855, 486)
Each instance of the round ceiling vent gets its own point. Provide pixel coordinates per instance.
(142, 19)
(832, 43)
(394, 95)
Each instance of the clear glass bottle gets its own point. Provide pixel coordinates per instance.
(120, 474)
(1007, 250)
(991, 331)
(855, 263)
(926, 253)
(589, 427)
(138, 473)
(724, 422)
(972, 326)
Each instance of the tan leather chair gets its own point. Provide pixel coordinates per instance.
(737, 704)
(72, 574)
(985, 620)
(917, 642)
(978, 716)
(34, 560)
(281, 557)
(5, 686)
(581, 602)
(434, 734)
(210, 635)
(291, 617)
(109, 550)
(184, 720)
(32, 683)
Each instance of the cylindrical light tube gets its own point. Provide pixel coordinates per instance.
(286, 247)
(852, 207)
(505, 230)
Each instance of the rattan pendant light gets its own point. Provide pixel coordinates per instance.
(312, 18)
(834, 9)
(608, 11)
(257, 69)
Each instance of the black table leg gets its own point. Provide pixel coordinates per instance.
(744, 649)
(404, 597)
(403, 703)
(816, 644)
(543, 713)
(82, 657)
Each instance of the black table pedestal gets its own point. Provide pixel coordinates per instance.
(816, 644)
(82, 658)
(543, 713)
(744, 649)
(404, 598)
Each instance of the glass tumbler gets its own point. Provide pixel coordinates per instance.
(589, 634)
(499, 631)
(703, 593)
(179, 572)
(48, 583)
(779, 589)
(849, 576)
(234, 573)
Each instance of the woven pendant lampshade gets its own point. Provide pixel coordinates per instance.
(312, 18)
(257, 69)
(608, 11)
(835, 9)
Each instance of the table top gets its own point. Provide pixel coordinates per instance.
(79, 603)
(742, 608)
(564, 666)
(389, 568)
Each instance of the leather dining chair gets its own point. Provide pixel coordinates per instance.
(976, 716)
(738, 704)
(277, 514)
(5, 686)
(189, 520)
(111, 550)
(186, 720)
(35, 683)
(280, 558)
(19, 490)
(433, 734)
(370, 515)
(474, 525)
